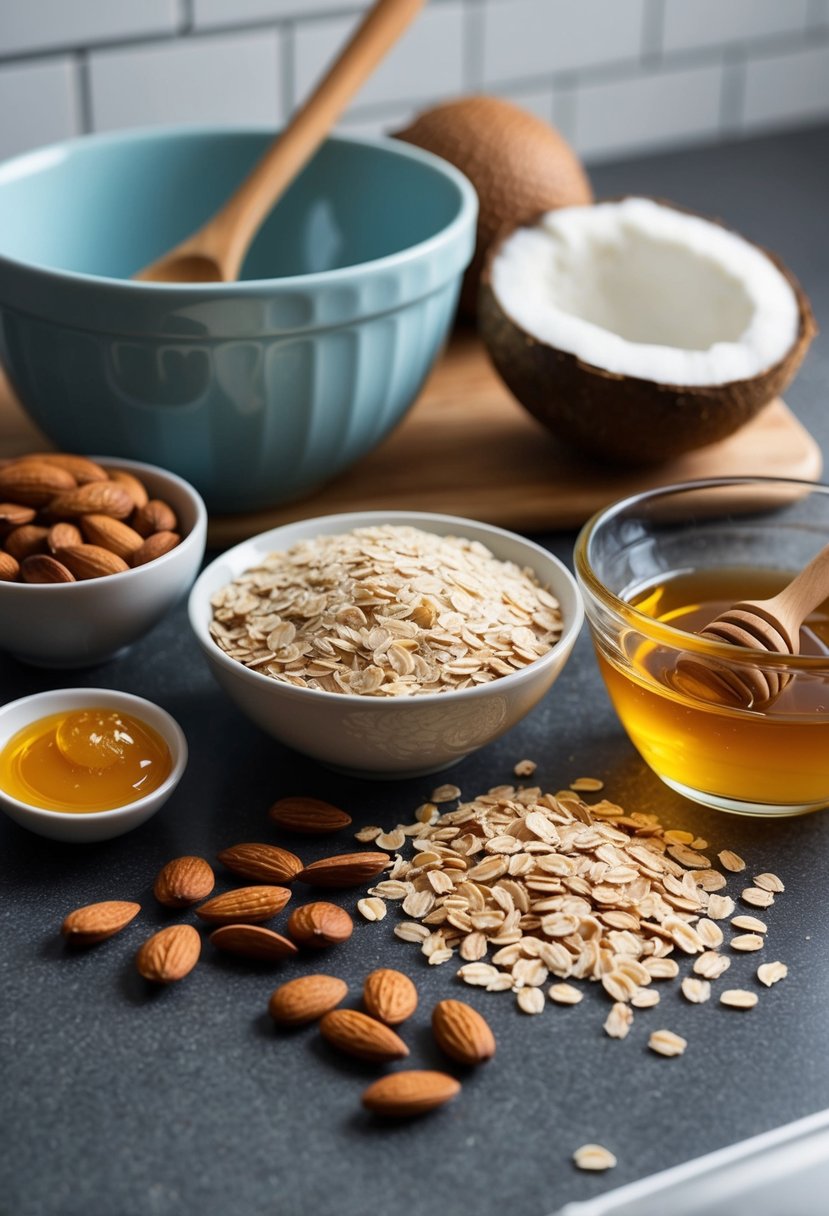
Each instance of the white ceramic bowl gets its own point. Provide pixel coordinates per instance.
(387, 736)
(93, 825)
(79, 624)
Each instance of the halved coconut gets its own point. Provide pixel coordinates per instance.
(637, 331)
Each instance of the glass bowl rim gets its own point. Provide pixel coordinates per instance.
(669, 635)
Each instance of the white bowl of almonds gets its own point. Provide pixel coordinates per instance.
(93, 553)
(389, 644)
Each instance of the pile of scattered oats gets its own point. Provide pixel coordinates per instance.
(385, 611)
(526, 886)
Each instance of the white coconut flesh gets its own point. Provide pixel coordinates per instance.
(640, 289)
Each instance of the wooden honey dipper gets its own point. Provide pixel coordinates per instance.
(771, 625)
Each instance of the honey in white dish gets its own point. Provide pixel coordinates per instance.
(85, 760)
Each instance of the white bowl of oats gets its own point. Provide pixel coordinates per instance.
(387, 644)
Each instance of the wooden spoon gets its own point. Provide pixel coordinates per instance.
(771, 625)
(215, 252)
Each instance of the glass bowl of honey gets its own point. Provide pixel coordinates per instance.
(655, 569)
(87, 764)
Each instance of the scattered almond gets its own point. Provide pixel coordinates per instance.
(305, 999)
(319, 925)
(462, 1032)
(91, 561)
(170, 954)
(344, 870)
(402, 1095)
(41, 568)
(96, 922)
(261, 862)
(309, 815)
(363, 1037)
(183, 881)
(247, 905)
(390, 996)
(253, 941)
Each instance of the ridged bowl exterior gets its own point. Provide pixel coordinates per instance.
(257, 391)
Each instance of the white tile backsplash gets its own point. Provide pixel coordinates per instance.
(35, 25)
(648, 112)
(787, 88)
(695, 23)
(616, 76)
(229, 12)
(427, 62)
(229, 78)
(42, 99)
(539, 37)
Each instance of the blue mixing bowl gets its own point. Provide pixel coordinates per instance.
(256, 391)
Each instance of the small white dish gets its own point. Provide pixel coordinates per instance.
(91, 825)
(63, 625)
(387, 736)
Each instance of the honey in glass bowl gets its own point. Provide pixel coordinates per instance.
(655, 569)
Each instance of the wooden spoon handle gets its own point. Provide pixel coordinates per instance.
(235, 225)
(805, 592)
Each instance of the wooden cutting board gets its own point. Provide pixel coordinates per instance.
(467, 448)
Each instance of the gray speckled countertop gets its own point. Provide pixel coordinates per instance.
(118, 1101)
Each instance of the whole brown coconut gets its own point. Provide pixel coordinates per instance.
(518, 164)
(623, 419)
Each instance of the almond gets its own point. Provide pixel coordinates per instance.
(320, 924)
(63, 536)
(248, 905)
(389, 995)
(132, 485)
(14, 514)
(81, 468)
(261, 862)
(24, 541)
(183, 881)
(9, 567)
(96, 922)
(154, 516)
(253, 941)
(94, 498)
(411, 1092)
(33, 482)
(306, 999)
(359, 1035)
(154, 546)
(309, 815)
(110, 534)
(91, 561)
(344, 870)
(462, 1033)
(170, 954)
(41, 568)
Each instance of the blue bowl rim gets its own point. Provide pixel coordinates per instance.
(467, 211)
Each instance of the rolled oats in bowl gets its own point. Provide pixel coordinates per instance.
(382, 611)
